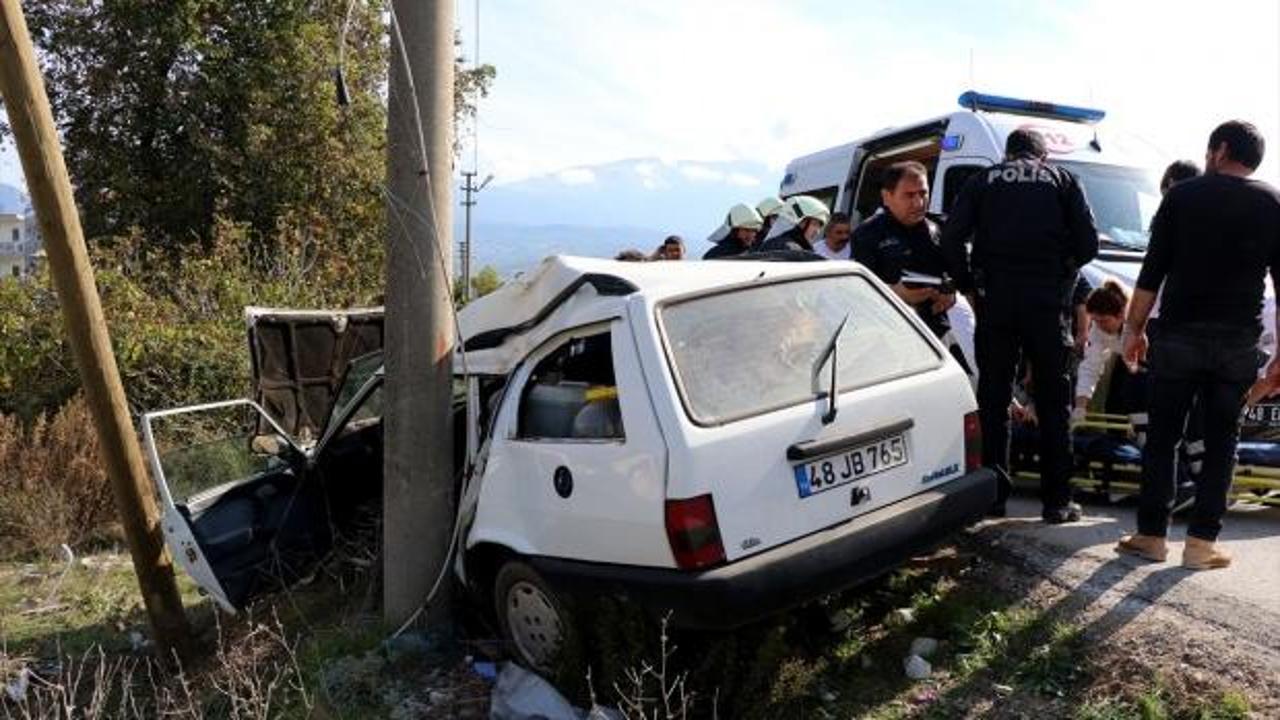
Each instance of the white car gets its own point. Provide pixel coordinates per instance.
(666, 432)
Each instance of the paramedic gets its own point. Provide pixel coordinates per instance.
(1031, 232)
(1213, 241)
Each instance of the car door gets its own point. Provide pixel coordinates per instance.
(577, 465)
(245, 508)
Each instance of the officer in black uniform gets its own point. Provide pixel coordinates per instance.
(808, 216)
(900, 245)
(1031, 231)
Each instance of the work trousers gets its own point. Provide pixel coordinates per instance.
(1009, 327)
(1215, 364)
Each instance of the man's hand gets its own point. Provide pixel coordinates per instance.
(1135, 348)
(943, 303)
(914, 296)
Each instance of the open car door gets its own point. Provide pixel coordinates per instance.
(254, 492)
(245, 512)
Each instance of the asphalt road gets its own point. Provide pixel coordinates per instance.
(1250, 532)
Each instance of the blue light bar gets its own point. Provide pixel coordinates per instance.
(979, 101)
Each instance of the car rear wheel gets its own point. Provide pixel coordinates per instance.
(533, 620)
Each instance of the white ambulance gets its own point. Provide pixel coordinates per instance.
(1117, 171)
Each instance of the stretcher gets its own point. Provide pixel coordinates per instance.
(1107, 463)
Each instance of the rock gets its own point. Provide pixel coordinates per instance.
(917, 668)
(439, 697)
(924, 647)
(828, 696)
(1002, 690)
(905, 616)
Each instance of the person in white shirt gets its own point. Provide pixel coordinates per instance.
(834, 244)
(1106, 307)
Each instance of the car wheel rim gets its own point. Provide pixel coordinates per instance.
(534, 624)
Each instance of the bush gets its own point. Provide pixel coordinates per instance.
(53, 487)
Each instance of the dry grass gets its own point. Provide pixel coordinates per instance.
(53, 488)
(253, 675)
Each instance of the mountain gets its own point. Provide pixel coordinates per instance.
(12, 199)
(602, 209)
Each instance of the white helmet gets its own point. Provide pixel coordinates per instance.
(770, 206)
(804, 207)
(741, 215)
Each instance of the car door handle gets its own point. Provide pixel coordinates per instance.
(807, 449)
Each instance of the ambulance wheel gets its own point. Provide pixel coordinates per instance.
(533, 620)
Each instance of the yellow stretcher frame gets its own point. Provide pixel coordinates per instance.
(1251, 484)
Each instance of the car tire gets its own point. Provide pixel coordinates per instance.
(535, 623)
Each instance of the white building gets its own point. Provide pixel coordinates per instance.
(19, 244)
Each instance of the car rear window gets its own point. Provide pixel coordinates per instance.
(749, 351)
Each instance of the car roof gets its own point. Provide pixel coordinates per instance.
(564, 291)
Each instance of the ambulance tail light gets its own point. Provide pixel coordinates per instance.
(693, 533)
(972, 442)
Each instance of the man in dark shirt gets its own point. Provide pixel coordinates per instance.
(1212, 242)
(1031, 232)
(900, 245)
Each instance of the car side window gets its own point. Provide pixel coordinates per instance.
(572, 394)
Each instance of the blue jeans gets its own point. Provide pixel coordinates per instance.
(1217, 364)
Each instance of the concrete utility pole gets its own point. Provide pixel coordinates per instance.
(470, 190)
(51, 196)
(418, 503)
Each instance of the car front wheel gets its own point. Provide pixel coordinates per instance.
(533, 620)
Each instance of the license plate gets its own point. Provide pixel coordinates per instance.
(847, 466)
(1267, 416)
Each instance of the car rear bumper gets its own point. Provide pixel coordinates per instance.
(791, 574)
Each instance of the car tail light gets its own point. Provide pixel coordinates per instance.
(972, 442)
(693, 533)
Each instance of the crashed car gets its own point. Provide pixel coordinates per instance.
(668, 432)
(713, 441)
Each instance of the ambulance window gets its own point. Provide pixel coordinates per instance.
(953, 182)
(572, 394)
(827, 195)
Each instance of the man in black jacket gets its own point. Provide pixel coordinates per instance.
(1031, 232)
(1213, 241)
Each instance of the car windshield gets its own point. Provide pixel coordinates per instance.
(358, 373)
(1123, 200)
(746, 352)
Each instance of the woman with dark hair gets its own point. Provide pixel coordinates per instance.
(1106, 307)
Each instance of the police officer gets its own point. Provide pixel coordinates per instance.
(900, 245)
(804, 217)
(738, 233)
(1031, 231)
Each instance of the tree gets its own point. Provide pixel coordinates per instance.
(176, 116)
(485, 281)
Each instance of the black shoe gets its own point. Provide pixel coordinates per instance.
(1065, 514)
(997, 510)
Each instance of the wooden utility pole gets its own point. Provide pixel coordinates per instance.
(51, 197)
(418, 504)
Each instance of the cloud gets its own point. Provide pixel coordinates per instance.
(700, 172)
(743, 179)
(576, 176)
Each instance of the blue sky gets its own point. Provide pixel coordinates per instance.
(583, 82)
